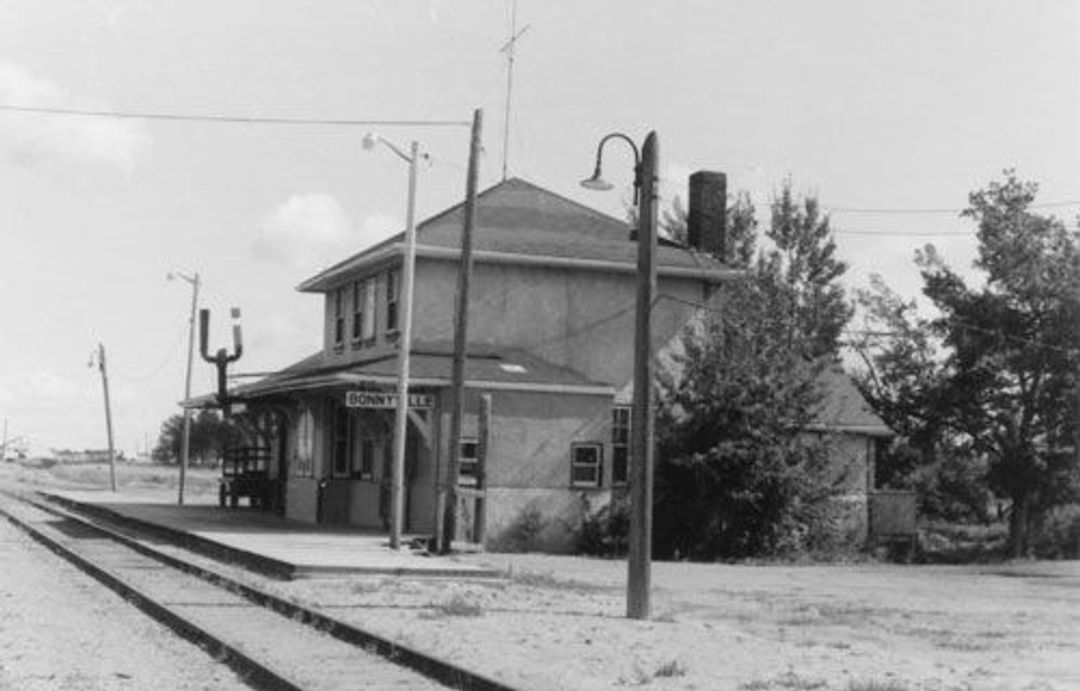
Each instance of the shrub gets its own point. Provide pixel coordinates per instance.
(1059, 534)
(604, 533)
(523, 534)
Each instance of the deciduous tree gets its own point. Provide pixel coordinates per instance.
(996, 369)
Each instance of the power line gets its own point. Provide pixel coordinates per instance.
(905, 233)
(166, 360)
(233, 119)
(968, 326)
(852, 210)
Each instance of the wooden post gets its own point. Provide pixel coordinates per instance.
(483, 444)
(461, 327)
(642, 424)
(108, 414)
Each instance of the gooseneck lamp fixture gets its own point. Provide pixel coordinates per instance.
(597, 181)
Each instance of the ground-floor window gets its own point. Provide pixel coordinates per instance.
(363, 443)
(340, 440)
(620, 444)
(370, 450)
(469, 463)
(305, 438)
(586, 464)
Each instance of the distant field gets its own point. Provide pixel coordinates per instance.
(96, 476)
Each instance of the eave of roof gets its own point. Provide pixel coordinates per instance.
(487, 367)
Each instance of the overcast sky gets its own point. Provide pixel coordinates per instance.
(869, 105)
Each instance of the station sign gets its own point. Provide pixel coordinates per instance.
(381, 400)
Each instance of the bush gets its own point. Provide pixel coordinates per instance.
(604, 533)
(1059, 534)
(745, 499)
(953, 489)
(523, 534)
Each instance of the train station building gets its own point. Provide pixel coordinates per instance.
(550, 347)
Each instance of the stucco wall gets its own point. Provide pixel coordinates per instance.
(583, 320)
(528, 466)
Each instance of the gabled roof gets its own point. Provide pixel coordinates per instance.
(487, 366)
(843, 408)
(517, 219)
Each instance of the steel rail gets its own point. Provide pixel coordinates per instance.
(430, 666)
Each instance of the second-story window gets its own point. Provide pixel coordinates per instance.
(367, 331)
(339, 316)
(393, 290)
(358, 288)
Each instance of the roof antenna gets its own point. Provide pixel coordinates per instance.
(508, 48)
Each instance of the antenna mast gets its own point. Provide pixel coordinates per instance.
(508, 48)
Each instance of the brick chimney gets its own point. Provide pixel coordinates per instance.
(706, 225)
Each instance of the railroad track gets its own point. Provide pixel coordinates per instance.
(272, 643)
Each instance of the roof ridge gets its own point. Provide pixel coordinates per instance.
(434, 218)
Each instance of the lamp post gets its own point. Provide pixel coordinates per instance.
(397, 468)
(642, 418)
(185, 444)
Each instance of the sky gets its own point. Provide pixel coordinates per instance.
(897, 108)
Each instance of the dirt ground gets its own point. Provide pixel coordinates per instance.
(559, 623)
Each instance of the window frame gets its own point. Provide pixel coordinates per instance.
(339, 316)
(620, 446)
(358, 288)
(598, 465)
(393, 299)
(368, 328)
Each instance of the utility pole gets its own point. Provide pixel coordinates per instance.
(639, 563)
(185, 444)
(461, 325)
(108, 413)
(401, 419)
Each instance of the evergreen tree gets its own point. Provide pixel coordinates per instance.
(735, 477)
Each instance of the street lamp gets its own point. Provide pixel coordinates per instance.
(397, 468)
(597, 181)
(185, 445)
(642, 421)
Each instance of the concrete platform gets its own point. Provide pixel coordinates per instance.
(263, 541)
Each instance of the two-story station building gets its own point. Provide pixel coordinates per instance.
(550, 339)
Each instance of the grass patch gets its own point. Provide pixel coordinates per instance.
(666, 670)
(957, 543)
(876, 685)
(457, 606)
(548, 581)
(671, 668)
(787, 680)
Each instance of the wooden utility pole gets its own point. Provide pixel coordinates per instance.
(461, 327)
(108, 413)
(642, 420)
